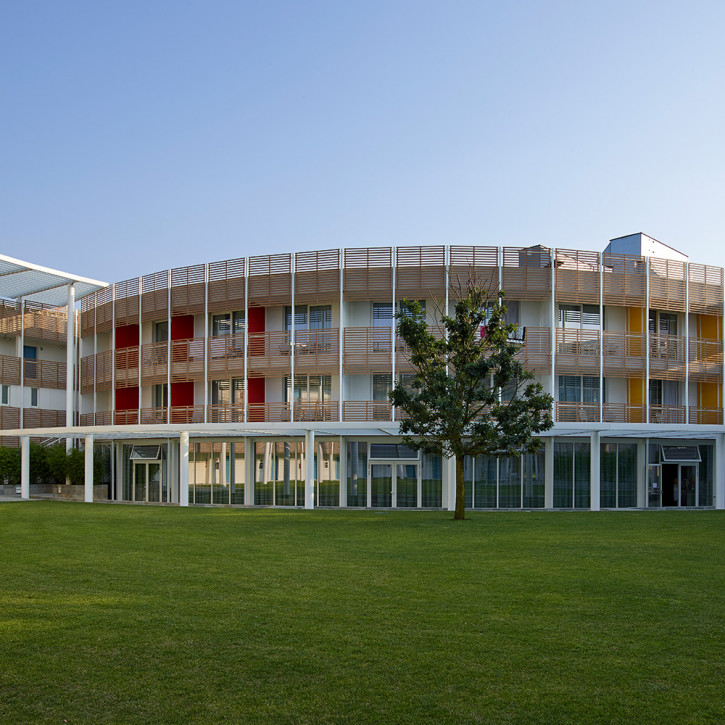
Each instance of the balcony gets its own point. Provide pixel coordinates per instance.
(366, 411)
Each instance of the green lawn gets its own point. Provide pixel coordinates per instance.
(131, 614)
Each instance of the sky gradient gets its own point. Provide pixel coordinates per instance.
(139, 136)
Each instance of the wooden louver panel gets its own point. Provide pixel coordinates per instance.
(155, 296)
(624, 282)
(367, 350)
(270, 280)
(104, 309)
(577, 276)
(9, 317)
(317, 275)
(226, 285)
(526, 272)
(368, 273)
(706, 289)
(667, 284)
(475, 264)
(420, 272)
(88, 314)
(45, 322)
(127, 302)
(187, 290)
(9, 370)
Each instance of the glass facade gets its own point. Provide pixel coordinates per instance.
(505, 482)
(571, 474)
(618, 477)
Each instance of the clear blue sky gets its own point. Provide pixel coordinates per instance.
(139, 135)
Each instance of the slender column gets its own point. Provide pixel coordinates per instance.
(292, 341)
(95, 356)
(88, 478)
(594, 471)
(600, 260)
(70, 350)
(249, 464)
(113, 357)
(549, 472)
(309, 469)
(642, 482)
(206, 342)
(21, 355)
(168, 345)
(343, 472)
(114, 492)
(140, 347)
(646, 340)
(687, 342)
(184, 468)
(449, 483)
(341, 341)
(25, 467)
(393, 326)
(720, 471)
(554, 391)
(246, 351)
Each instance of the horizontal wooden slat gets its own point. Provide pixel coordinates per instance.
(368, 273)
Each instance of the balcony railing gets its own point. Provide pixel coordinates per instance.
(365, 410)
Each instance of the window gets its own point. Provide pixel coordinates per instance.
(663, 392)
(383, 313)
(33, 397)
(314, 317)
(227, 392)
(30, 366)
(579, 317)
(309, 389)
(161, 331)
(382, 385)
(229, 323)
(662, 323)
(160, 395)
(576, 389)
(5, 395)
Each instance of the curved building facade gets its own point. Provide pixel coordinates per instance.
(263, 380)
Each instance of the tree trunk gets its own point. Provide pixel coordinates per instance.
(460, 513)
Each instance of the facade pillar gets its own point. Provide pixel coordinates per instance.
(70, 346)
(309, 469)
(25, 467)
(594, 471)
(88, 478)
(449, 483)
(184, 468)
(720, 471)
(549, 472)
(249, 465)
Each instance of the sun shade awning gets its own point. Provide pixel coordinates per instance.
(41, 284)
(680, 454)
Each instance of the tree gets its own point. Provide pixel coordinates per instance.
(470, 394)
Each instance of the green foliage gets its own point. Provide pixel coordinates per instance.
(455, 405)
(48, 464)
(10, 466)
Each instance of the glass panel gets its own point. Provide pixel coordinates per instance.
(406, 485)
(283, 466)
(382, 385)
(220, 489)
(705, 482)
(626, 475)
(581, 473)
(263, 461)
(357, 466)
(485, 489)
(300, 317)
(221, 325)
(654, 485)
(328, 473)
(321, 317)
(509, 483)
(161, 331)
(688, 477)
(237, 476)
(139, 493)
(391, 450)
(533, 480)
(608, 476)
(563, 475)
(154, 479)
(468, 480)
(381, 484)
(432, 481)
(382, 314)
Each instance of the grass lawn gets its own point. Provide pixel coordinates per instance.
(131, 614)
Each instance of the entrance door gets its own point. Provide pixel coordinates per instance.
(394, 485)
(147, 482)
(679, 485)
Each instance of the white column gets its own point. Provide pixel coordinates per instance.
(249, 464)
(88, 478)
(343, 472)
(687, 342)
(168, 345)
(449, 483)
(184, 468)
(642, 483)
(21, 355)
(340, 343)
(594, 471)
(394, 326)
(25, 467)
(549, 472)
(720, 471)
(309, 469)
(70, 361)
(646, 341)
(206, 343)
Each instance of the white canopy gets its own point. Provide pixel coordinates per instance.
(41, 284)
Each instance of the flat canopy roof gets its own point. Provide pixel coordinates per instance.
(41, 284)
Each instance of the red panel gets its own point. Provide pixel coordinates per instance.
(256, 319)
(127, 398)
(126, 336)
(182, 328)
(255, 390)
(182, 394)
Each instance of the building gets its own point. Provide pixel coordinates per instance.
(208, 384)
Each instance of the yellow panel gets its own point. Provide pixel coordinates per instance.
(709, 326)
(708, 395)
(635, 319)
(635, 391)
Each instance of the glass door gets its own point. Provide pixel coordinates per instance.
(406, 488)
(381, 485)
(688, 485)
(147, 482)
(139, 482)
